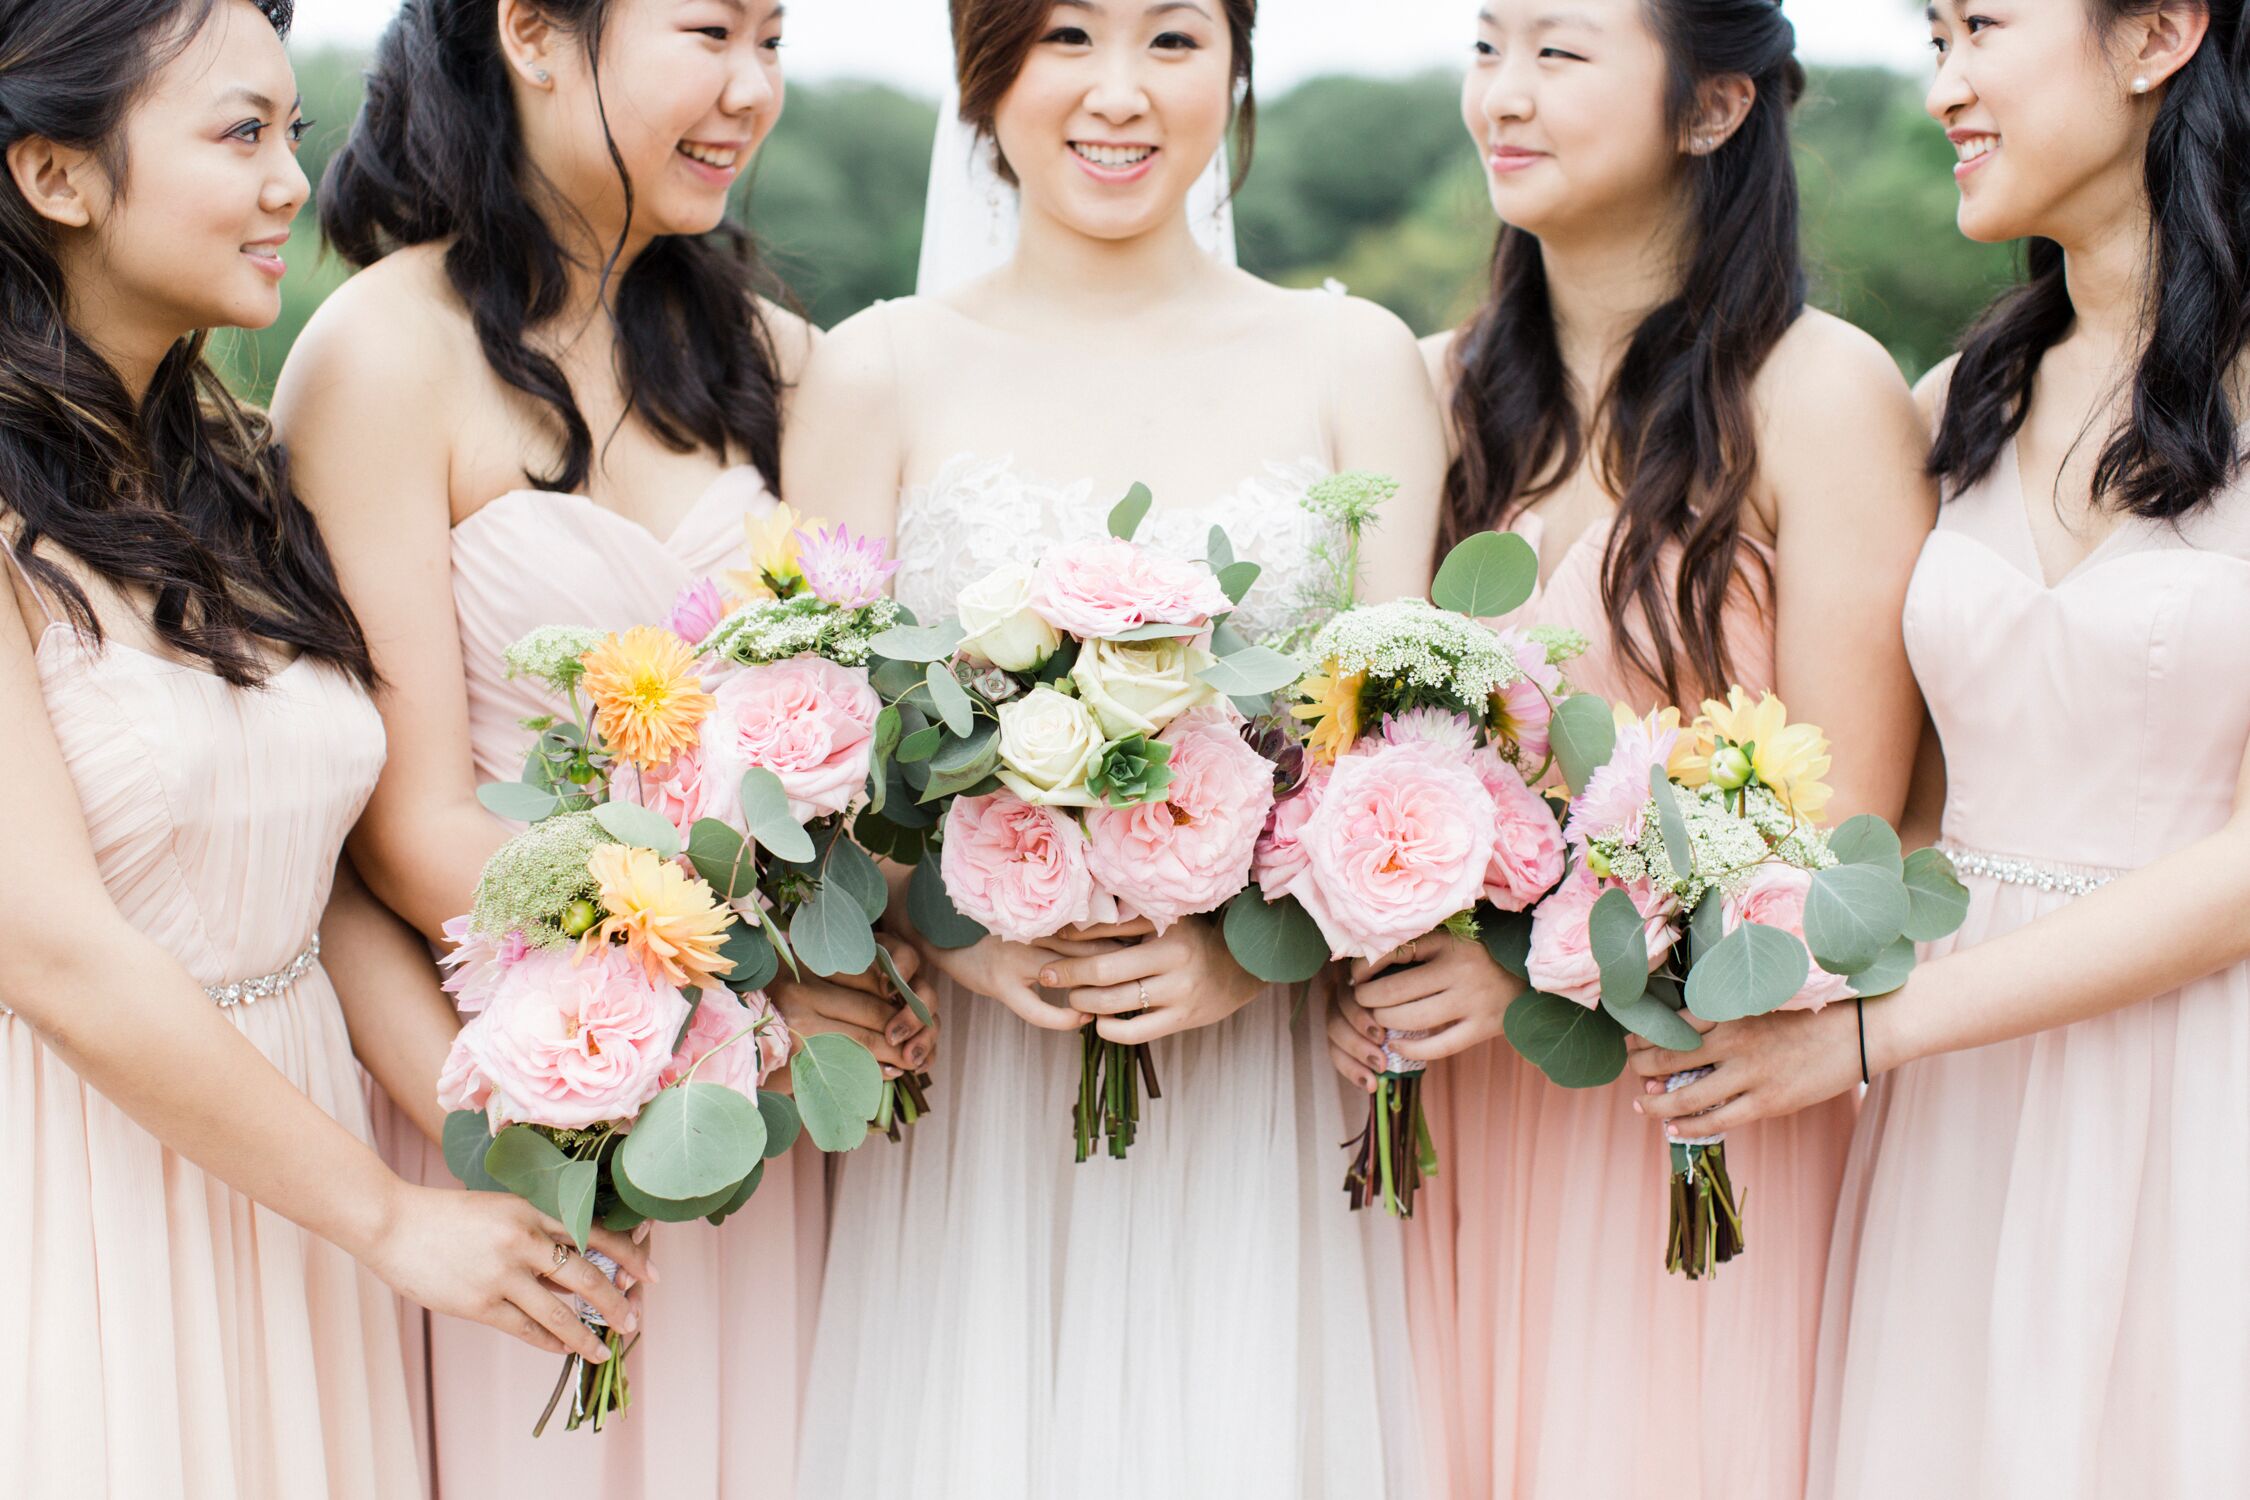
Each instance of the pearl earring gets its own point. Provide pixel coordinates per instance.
(2140, 85)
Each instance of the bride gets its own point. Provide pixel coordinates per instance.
(1205, 1317)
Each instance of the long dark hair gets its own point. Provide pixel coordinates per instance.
(181, 496)
(436, 153)
(991, 39)
(1677, 425)
(2181, 444)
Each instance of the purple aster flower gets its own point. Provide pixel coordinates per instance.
(844, 570)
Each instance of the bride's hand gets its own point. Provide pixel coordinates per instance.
(490, 1258)
(1155, 986)
(812, 1005)
(1447, 987)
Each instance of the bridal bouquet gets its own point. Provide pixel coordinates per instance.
(1427, 733)
(1704, 879)
(1074, 755)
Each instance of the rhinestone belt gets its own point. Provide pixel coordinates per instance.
(2026, 872)
(251, 991)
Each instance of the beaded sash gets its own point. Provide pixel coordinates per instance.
(2037, 874)
(251, 991)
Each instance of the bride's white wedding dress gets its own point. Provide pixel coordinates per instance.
(1203, 1319)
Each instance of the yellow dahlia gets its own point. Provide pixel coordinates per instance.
(1788, 759)
(668, 921)
(771, 540)
(1331, 706)
(648, 699)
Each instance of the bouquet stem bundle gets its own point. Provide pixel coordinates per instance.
(1392, 1155)
(1110, 1080)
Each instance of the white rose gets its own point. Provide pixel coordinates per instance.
(1001, 627)
(1048, 746)
(1138, 687)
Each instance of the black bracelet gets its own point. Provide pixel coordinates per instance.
(1860, 1006)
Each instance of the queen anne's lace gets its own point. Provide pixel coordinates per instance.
(979, 514)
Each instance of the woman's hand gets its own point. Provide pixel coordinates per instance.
(1009, 972)
(811, 1005)
(1763, 1067)
(490, 1258)
(1154, 986)
(1442, 985)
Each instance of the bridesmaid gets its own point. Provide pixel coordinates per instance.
(1724, 487)
(554, 397)
(183, 1139)
(2037, 1269)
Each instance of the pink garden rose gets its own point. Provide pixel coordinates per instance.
(567, 1043)
(1562, 940)
(1019, 870)
(1617, 793)
(461, 1085)
(1399, 843)
(807, 720)
(476, 964)
(1527, 852)
(1097, 589)
(1280, 858)
(697, 612)
(679, 792)
(744, 1065)
(1774, 896)
(1191, 852)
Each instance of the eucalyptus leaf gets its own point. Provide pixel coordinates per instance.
(1749, 972)
(832, 934)
(1652, 1018)
(693, 1140)
(1276, 941)
(839, 1087)
(1490, 574)
(921, 744)
(1709, 923)
(782, 1125)
(739, 1196)
(1867, 840)
(1583, 735)
(969, 750)
(1506, 935)
(765, 812)
(895, 679)
(575, 1190)
(1218, 549)
(1574, 1046)
(1228, 641)
(529, 1165)
(1236, 579)
(638, 828)
(1886, 973)
(951, 699)
(517, 802)
(919, 643)
(466, 1140)
(664, 1210)
(755, 962)
(1247, 673)
(1130, 512)
(1938, 902)
(1668, 817)
(905, 991)
(1156, 630)
(1852, 913)
(722, 858)
(849, 866)
(933, 913)
(1620, 946)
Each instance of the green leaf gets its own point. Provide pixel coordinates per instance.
(1218, 550)
(466, 1141)
(1130, 512)
(1852, 913)
(1653, 1019)
(895, 679)
(755, 962)
(1708, 926)
(1248, 673)
(1676, 845)
(921, 744)
(1235, 580)
(1490, 574)
(1583, 735)
(1620, 944)
(1749, 972)
(765, 812)
(1867, 840)
(1276, 941)
(968, 751)
(740, 1196)
(782, 1125)
(950, 698)
(933, 913)
(623, 1218)
(849, 866)
(839, 1088)
(576, 1191)
(638, 828)
(1156, 630)
(664, 1210)
(517, 802)
(918, 643)
(693, 1140)
(905, 991)
(1886, 973)
(890, 727)
(526, 1163)
(718, 854)
(1574, 1046)
(1506, 935)
(832, 934)
(1938, 902)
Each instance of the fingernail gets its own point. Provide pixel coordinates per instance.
(917, 1054)
(632, 1322)
(1637, 1107)
(624, 1281)
(653, 1278)
(1049, 978)
(600, 1356)
(888, 1071)
(901, 1029)
(640, 1232)
(1673, 1131)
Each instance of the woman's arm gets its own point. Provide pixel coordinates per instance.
(844, 450)
(365, 404)
(402, 1025)
(1385, 420)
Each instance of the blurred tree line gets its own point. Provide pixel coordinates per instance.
(1370, 181)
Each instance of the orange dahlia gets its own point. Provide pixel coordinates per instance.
(671, 923)
(648, 699)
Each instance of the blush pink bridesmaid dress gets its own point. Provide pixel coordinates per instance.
(1556, 1358)
(2038, 1289)
(719, 1369)
(169, 1338)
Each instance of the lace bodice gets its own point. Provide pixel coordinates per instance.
(978, 514)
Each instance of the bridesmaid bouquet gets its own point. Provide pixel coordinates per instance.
(1074, 755)
(1416, 811)
(1704, 880)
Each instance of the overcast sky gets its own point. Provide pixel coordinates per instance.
(905, 41)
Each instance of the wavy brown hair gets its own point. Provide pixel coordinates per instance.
(992, 38)
(182, 496)
(1677, 428)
